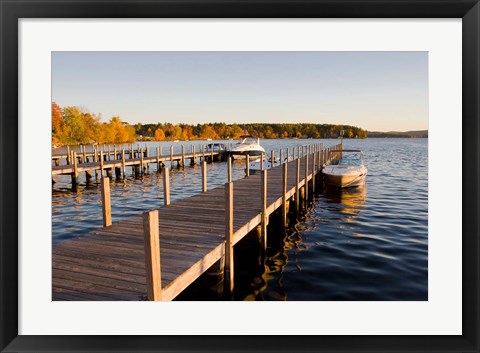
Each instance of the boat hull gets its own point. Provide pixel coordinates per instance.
(344, 181)
(243, 154)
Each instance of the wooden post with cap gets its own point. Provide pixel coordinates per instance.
(151, 235)
(229, 269)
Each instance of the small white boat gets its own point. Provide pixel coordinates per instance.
(347, 169)
(247, 146)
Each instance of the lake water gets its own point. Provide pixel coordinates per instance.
(368, 243)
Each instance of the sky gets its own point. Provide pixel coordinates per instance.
(377, 91)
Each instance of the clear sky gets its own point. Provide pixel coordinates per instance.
(378, 91)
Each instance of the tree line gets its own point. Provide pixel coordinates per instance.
(73, 125)
(223, 131)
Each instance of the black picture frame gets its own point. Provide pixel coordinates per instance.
(11, 11)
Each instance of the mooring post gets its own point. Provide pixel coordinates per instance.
(69, 157)
(101, 163)
(288, 152)
(284, 194)
(229, 236)
(306, 179)
(171, 156)
(212, 153)
(229, 169)
(272, 159)
(151, 235)
(166, 186)
(115, 155)
(108, 156)
(298, 152)
(141, 160)
(123, 163)
(281, 161)
(106, 205)
(247, 165)
(194, 160)
(158, 159)
(262, 157)
(183, 156)
(264, 210)
(314, 170)
(297, 187)
(75, 169)
(204, 176)
(84, 154)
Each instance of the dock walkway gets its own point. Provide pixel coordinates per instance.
(110, 263)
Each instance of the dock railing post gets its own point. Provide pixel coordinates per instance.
(75, 169)
(297, 187)
(151, 235)
(247, 165)
(171, 156)
(229, 236)
(204, 176)
(284, 194)
(229, 169)
(264, 209)
(123, 163)
(106, 204)
(166, 186)
(158, 158)
(101, 163)
(306, 179)
(183, 156)
(69, 156)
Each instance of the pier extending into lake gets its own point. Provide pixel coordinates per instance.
(111, 159)
(158, 254)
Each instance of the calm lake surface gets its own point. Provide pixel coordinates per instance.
(368, 243)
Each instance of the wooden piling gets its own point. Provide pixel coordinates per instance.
(123, 163)
(183, 156)
(211, 157)
(281, 161)
(151, 234)
(84, 154)
(229, 169)
(284, 194)
(297, 187)
(166, 186)
(106, 205)
(204, 176)
(306, 179)
(272, 159)
(158, 159)
(101, 164)
(141, 161)
(171, 156)
(264, 209)
(69, 157)
(194, 160)
(75, 169)
(247, 165)
(229, 269)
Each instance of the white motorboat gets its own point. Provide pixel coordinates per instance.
(346, 170)
(247, 146)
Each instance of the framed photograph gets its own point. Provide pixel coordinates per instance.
(177, 176)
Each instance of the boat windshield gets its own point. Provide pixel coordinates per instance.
(352, 162)
(350, 159)
(248, 141)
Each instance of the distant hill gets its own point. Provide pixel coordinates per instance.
(413, 134)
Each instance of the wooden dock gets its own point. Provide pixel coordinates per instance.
(113, 160)
(157, 255)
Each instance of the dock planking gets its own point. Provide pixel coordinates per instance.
(108, 264)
